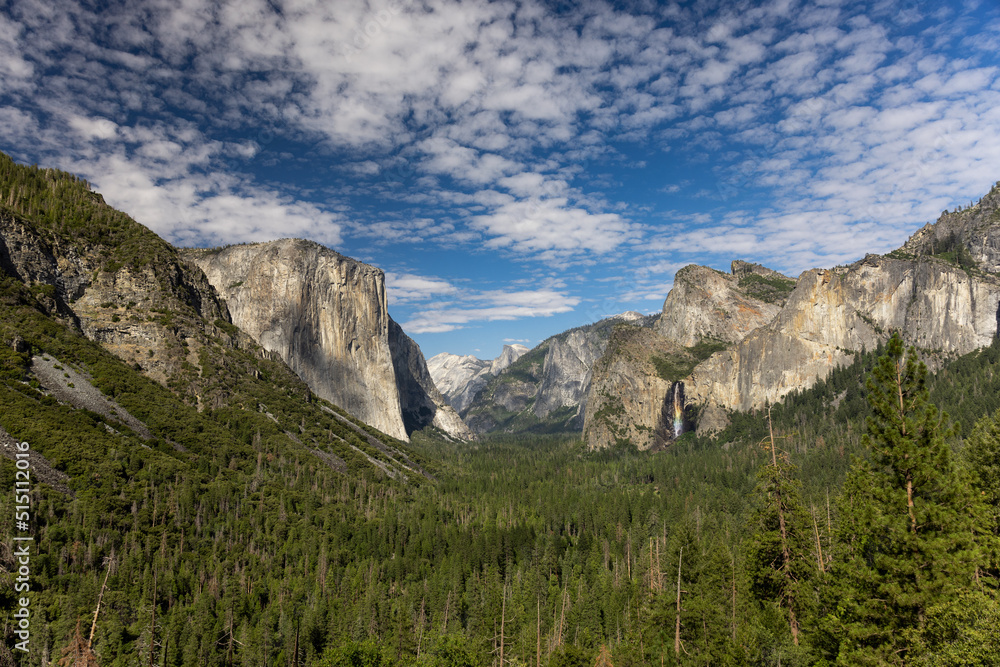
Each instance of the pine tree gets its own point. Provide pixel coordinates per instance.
(780, 556)
(907, 537)
(982, 450)
(604, 658)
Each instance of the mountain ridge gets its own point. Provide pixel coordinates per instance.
(326, 315)
(460, 377)
(939, 290)
(546, 389)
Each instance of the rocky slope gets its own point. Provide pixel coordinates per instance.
(832, 313)
(325, 315)
(627, 400)
(151, 309)
(975, 229)
(705, 303)
(421, 402)
(111, 342)
(461, 377)
(631, 395)
(940, 290)
(546, 389)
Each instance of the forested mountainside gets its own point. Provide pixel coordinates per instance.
(172, 444)
(200, 506)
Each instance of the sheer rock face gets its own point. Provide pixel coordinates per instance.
(28, 257)
(705, 303)
(786, 341)
(460, 378)
(831, 314)
(550, 384)
(627, 399)
(323, 313)
(422, 403)
(566, 372)
(509, 355)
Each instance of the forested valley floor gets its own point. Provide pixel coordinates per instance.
(747, 548)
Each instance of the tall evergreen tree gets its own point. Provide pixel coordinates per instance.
(907, 538)
(781, 559)
(982, 450)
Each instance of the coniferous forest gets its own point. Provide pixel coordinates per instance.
(855, 523)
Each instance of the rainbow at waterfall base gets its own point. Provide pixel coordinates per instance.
(678, 403)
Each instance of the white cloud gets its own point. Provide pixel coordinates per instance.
(492, 306)
(968, 81)
(15, 71)
(437, 305)
(530, 226)
(189, 208)
(93, 128)
(493, 123)
(403, 287)
(462, 163)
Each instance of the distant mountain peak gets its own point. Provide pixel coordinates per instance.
(460, 377)
(510, 354)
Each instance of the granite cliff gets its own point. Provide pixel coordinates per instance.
(325, 315)
(940, 291)
(931, 303)
(546, 389)
(629, 399)
(972, 232)
(705, 303)
(421, 403)
(152, 311)
(626, 398)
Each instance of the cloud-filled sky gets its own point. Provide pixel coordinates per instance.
(516, 168)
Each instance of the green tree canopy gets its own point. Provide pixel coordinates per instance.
(908, 537)
(781, 556)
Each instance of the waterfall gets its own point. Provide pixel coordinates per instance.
(678, 391)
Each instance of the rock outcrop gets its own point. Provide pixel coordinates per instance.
(831, 314)
(975, 229)
(509, 355)
(566, 371)
(149, 313)
(421, 403)
(546, 389)
(97, 310)
(324, 314)
(940, 291)
(628, 399)
(705, 303)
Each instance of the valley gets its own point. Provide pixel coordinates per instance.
(239, 458)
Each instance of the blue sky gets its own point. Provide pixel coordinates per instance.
(516, 168)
